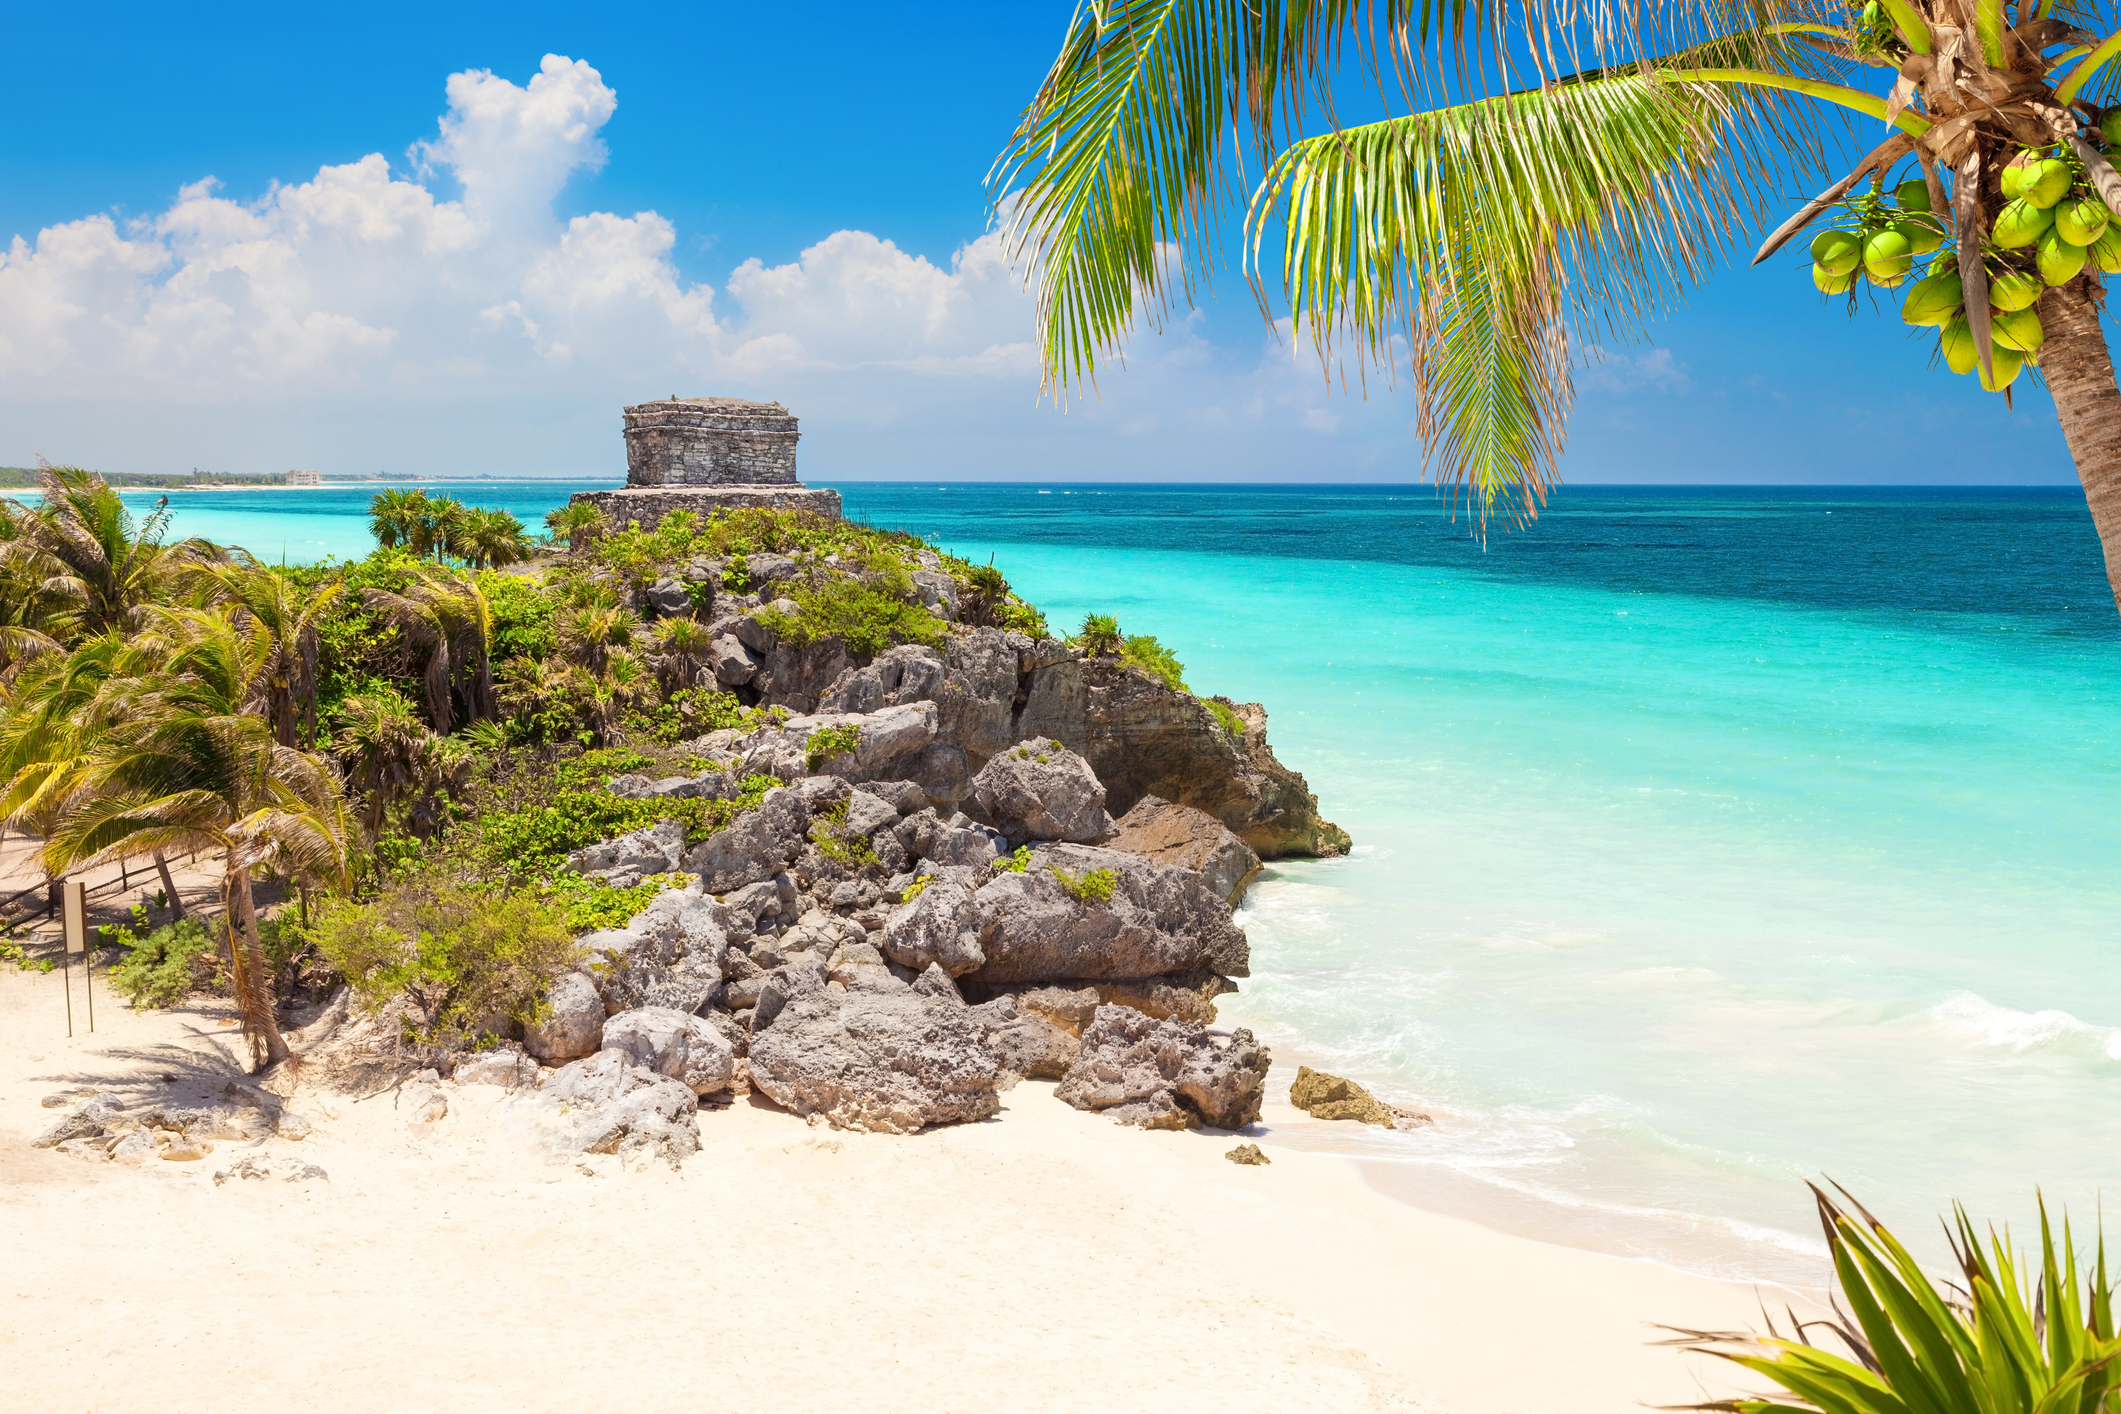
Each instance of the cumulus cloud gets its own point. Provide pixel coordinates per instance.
(359, 320)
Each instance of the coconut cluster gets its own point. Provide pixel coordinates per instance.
(2051, 225)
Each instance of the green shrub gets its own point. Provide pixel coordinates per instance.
(156, 970)
(828, 832)
(691, 711)
(588, 905)
(522, 616)
(737, 578)
(1228, 720)
(1144, 652)
(1093, 887)
(1015, 863)
(1100, 636)
(464, 957)
(867, 618)
(592, 769)
(828, 742)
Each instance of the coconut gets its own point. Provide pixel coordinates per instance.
(1957, 342)
(2007, 363)
(2081, 221)
(2107, 249)
(1922, 234)
(1935, 300)
(2020, 223)
(1887, 257)
(1829, 283)
(2110, 126)
(2019, 330)
(2050, 181)
(1839, 251)
(2059, 260)
(2018, 174)
(1913, 194)
(2013, 289)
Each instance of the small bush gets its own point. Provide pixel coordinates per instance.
(1228, 720)
(592, 769)
(828, 742)
(465, 958)
(868, 619)
(737, 578)
(1100, 636)
(912, 891)
(690, 711)
(1015, 863)
(1143, 652)
(588, 905)
(1093, 887)
(832, 840)
(156, 970)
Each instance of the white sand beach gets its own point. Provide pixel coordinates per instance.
(1045, 1260)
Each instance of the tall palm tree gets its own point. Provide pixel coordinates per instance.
(1562, 167)
(81, 547)
(177, 759)
(287, 615)
(446, 622)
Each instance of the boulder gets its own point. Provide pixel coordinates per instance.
(1040, 790)
(92, 1119)
(604, 1105)
(509, 1069)
(133, 1150)
(1180, 837)
(670, 954)
(733, 664)
(1249, 1155)
(935, 928)
(625, 861)
(710, 786)
(673, 1043)
(422, 1100)
(756, 846)
(890, 1062)
(937, 591)
(964, 843)
(1165, 1074)
(668, 598)
(1324, 1096)
(867, 813)
(573, 1024)
(768, 568)
(1024, 1042)
(1157, 921)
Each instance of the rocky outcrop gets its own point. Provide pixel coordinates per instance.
(1040, 790)
(675, 1044)
(625, 861)
(573, 1024)
(1325, 1096)
(1180, 837)
(606, 1104)
(1165, 1074)
(936, 928)
(1024, 1042)
(670, 954)
(896, 1063)
(754, 847)
(1143, 738)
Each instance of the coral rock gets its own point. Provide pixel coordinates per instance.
(1324, 1096)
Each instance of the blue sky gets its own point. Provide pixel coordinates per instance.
(716, 199)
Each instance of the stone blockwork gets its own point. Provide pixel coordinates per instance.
(710, 442)
(647, 505)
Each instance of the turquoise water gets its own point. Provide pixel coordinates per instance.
(1707, 841)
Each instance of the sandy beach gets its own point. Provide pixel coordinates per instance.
(1048, 1259)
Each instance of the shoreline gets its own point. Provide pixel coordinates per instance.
(1079, 1264)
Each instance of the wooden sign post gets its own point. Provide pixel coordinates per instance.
(75, 913)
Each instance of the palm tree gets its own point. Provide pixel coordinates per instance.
(398, 517)
(274, 606)
(445, 619)
(80, 547)
(492, 539)
(379, 742)
(679, 648)
(578, 523)
(590, 632)
(177, 759)
(445, 529)
(1563, 168)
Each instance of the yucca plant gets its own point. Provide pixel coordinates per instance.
(2002, 1340)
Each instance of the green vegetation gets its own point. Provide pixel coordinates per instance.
(158, 967)
(1094, 886)
(1144, 652)
(1015, 863)
(1100, 636)
(828, 742)
(829, 833)
(446, 528)
(1232, 724)
(868, 618)
(2010, 1339)
(590, 905)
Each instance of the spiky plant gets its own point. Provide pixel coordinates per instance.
(1561, 174)
(578, 523)
(285, 616)
(2004, 1339)
(1100, 636)
(448, 627)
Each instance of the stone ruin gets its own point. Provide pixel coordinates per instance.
(709, 454)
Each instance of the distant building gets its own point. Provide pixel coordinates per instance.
(305, 478)
(709, 454)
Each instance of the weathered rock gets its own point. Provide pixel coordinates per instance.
(1024, 1042)
(95, 1151)
(1040, 790)
(1324, 1096)
(670, 954)
(799, 976)
(88, 1121)
(133, 1150)
(711, 785)
(574, 1021)
(289, 1125)
(182, 1148)
(936, 983)
(625, 861)
(1144, 738)
(261, 1170)
(892, 1062)
(902, 796)
(962, 842)
(673, 1043)
(605, 1104)
(733, 664)
(423, 1101)
(509, 1069)
(936, 928)
(1248, 1154)
(668, 598)
(1180, 837)
(866, 814)
(1157, 921)
(768, 568)
(937, 591)
(756, 846)
(1165, 1074)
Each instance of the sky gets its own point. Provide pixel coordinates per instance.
(457, 240)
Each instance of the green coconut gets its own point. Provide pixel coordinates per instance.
(2017, 175)
(1913, 194)
(2110, 126)
(1839, 251)
(2008, 363)
(1922, 234)
(2013, 289)
(1957, 342)
(2020, 223)
(2019, 330)
(2107, 249)
(1887, 256)
(1934, 300)
(2080, 222)
(2059, 260)
(1828, 282)
(2049, 182)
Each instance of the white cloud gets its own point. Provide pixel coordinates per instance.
(358, 320)
(1655, 370)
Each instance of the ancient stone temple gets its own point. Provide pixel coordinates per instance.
(707, 454)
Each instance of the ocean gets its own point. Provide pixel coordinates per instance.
(1708, 841)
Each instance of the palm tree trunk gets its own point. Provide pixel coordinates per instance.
(253, 987)
(2080, 374)
(169, 887)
